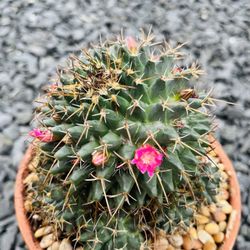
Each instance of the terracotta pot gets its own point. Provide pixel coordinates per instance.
(32, 243)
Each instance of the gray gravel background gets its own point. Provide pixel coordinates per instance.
(35, 36)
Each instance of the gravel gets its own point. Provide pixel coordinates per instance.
(36, 36)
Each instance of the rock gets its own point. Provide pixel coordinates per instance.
(193, 233)
(43, 231)
(244, 245)
(219, 215)
(8, 188)
(17, 150)
(28, 206)
(229, 133)
(31, 178)
(5, 208)
(245, 230)
(201, 219)
(241, 167)
(212, 208)
(24, 117)
(235, 112)
(189, 243)
(199, 227)
(212, 228)
(222, 226)
(205, 211)
(65, 245)
(209, 246)
(225, 207)
(47, 240)
(176, 240)
(12, 131)
(5, 144)
(223, 195)
(170, 247)
(161, 243)
(54, 246)
(5, 120)
(37, 50)
(25, 94)
(219, 237)
(8, 238)
(7, 221)
(204, 237)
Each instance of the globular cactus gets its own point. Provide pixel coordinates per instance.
(122, 146)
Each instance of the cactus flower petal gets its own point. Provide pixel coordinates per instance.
(132, 44)
(147, 159)
(98, 158)
(42, 135)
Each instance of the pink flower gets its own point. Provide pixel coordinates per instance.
(177, 70)
(147, 159)
(132, 44)
(42, 135)
(98, 158)
(54, 86)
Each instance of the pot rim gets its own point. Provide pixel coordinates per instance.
(235, 200)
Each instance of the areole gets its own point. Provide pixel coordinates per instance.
(235, 201)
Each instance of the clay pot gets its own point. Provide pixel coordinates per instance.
(235, 201)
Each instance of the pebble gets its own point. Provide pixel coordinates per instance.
(223, 195)
(204, 237)
(43, 231)
(5, 144)
(31, 178)
(161, 243)
(65, 245)
(24, 117)
(189, 243)
(193, 233)
(209, 246)
(5, 209)
(12, 131)
(201, 219)
(54, 246)
(28, 206)
(170, 247)
(212, 208)
(212, 228)
(225, 207)
(205, 211)
(5, 119)
(8, 238)
(176, 240)
(219, 216)
(219, 237)
(47, 240)
(222, 226)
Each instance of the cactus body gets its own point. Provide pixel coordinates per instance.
(111, 102)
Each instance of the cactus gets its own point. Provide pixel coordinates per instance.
(122, 146)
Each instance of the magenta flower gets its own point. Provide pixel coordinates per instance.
(42, 135)
(147, 159)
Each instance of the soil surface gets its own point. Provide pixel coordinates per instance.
(35, 36)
